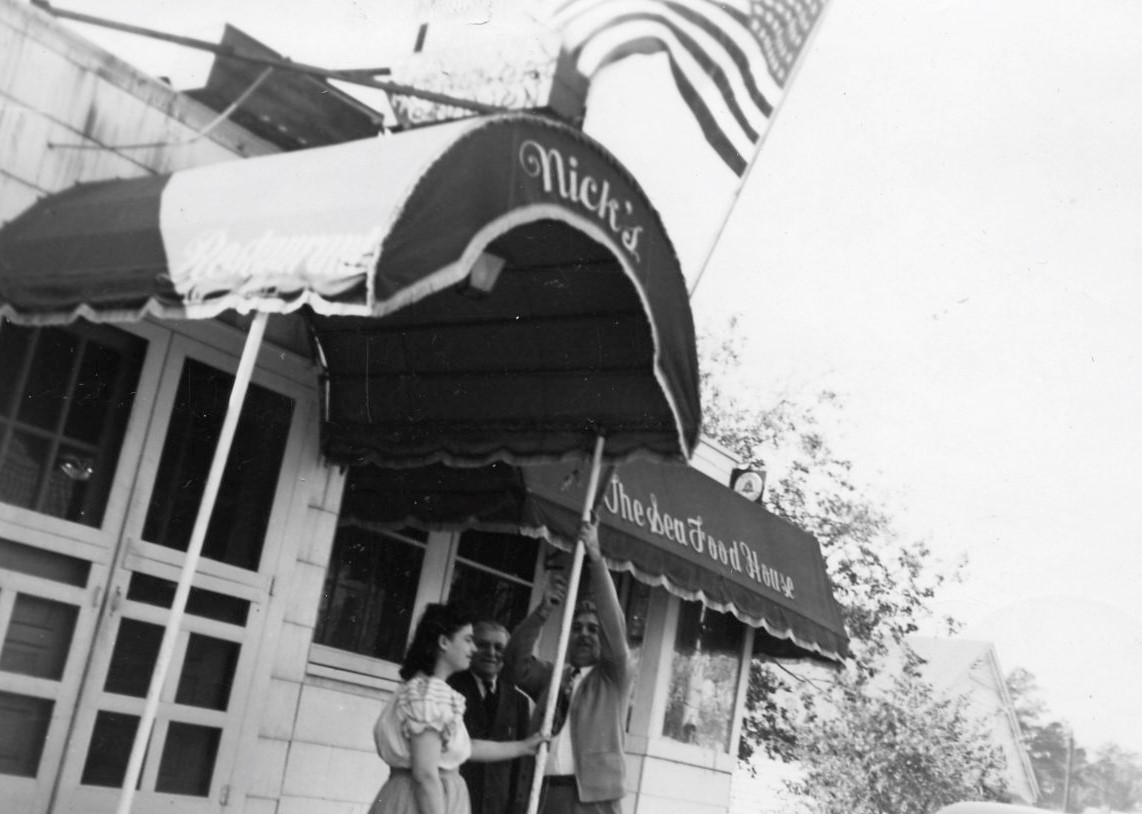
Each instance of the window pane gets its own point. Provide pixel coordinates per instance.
(704, 677)
(512, 554)
(14, 343)
(23, 468)
(38, 638)
(370, 590)
(134, 657)
(207, 672)
(65, 397)
(93, 395)
(46, 387)
(109, 750)
(47, 564)
(488, 596)
(23, 730)
(237, 527)
(188, 759)
(201, 602)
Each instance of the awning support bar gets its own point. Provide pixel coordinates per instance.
(193, 554)
(349, 76)
(565, 627)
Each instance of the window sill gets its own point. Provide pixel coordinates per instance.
(344, 667)
(663, 748)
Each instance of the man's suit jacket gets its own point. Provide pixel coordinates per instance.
(495, 788)
(597, 717)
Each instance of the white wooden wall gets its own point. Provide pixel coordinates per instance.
(61, 96)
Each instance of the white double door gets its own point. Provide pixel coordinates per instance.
(82, 608)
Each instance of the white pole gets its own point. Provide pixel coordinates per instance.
(193, 553)
(565, 628)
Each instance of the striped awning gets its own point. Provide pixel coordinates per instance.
(497, 288)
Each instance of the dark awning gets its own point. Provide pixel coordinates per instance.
(495, 288)
(667, 525)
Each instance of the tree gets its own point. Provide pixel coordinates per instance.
(1048, 743)
(866, 742)
(1113, 780)
(896, 750)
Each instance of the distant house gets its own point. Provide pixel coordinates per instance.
(958, 667)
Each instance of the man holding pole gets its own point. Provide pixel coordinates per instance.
(585, 769)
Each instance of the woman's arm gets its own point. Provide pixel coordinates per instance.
(427, 788)
(494, 751)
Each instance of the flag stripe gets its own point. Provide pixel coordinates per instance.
(708, 65)
(729, 59)
(734, 52)
(713, 111)
(715, 136)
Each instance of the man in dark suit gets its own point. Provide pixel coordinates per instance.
(496, 710)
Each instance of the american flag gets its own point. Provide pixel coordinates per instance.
(730, 60)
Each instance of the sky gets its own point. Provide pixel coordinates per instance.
(943, 227)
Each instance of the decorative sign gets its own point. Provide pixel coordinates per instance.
(561, 175)
(213, 263)
(690, 530)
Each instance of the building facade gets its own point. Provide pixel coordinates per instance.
(297, 618)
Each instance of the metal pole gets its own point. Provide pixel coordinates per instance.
(1067, 776)
(565, 628)
(193, 553)
(353, 77)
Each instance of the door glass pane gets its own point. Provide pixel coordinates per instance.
(207, 672)
(65, 397)
(14, 357)
(188, 759)
(38, 638)
(370, 589)
(46, 388)
(109, 750)
(134, 657)
(36, 562)
(237, 528)
(23, 730)
(704, 677)
(200, 602)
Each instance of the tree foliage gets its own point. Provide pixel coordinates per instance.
(865, 745)
(1112, 780)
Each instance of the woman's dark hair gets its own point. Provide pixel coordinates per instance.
(437, 621)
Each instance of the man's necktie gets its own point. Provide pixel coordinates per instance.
(489, 700)
(563, 702)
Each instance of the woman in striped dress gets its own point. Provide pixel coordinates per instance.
(420, 733)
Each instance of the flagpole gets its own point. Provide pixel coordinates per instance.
(565, 628)
(190, 563)
(793, 71)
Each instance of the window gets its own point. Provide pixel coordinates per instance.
(377, 578)
(704, 677)
(493, 575)
(65, 397)
(36, 636)
(241, 514)
(370, 591)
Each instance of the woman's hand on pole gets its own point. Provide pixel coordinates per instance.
(531, 744)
